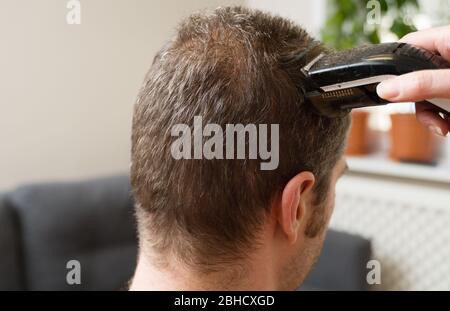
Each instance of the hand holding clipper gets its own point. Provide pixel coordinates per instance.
(418, 86)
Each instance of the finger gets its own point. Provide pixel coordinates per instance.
(433, 39)
(431, 119)
(416, 86)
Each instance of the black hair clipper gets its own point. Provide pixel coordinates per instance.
(340, 81)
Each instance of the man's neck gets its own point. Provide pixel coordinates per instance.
(176, 277)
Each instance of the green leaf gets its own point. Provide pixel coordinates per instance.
(344, 27)
(374, 37)
(383, 6)
(400, 28)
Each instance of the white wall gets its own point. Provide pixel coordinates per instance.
(309, 14)
(67, 91)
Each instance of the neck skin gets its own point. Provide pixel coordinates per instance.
(148, 277)
(262, 272)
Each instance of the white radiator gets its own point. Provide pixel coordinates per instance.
(408, 223)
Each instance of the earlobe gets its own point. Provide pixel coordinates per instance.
(293, 205)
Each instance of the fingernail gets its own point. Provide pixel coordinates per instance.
(388, 89)
(435, 129)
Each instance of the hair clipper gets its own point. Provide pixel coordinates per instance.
(340, 81)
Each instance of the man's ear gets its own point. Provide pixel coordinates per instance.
(293, 205)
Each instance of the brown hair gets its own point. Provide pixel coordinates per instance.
(230, 66)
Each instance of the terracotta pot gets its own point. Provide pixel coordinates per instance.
(358, 138)
(411, 141)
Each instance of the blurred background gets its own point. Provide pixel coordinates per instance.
(67, 93)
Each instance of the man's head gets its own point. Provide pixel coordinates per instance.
(234, 66)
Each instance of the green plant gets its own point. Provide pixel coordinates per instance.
(347, 25)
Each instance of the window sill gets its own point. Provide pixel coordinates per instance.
(380, 164)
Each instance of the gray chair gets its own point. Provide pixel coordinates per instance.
(341, 265)
(43, 226)
(11, 272)
(50, 224)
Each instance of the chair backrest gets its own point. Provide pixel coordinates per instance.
(11, 271)
(90, 222)
(342, 265)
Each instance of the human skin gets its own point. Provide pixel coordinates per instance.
(420, 85)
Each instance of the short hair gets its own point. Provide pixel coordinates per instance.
(232, 65)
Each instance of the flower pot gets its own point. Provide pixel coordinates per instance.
(411, 141)
(358, 137)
